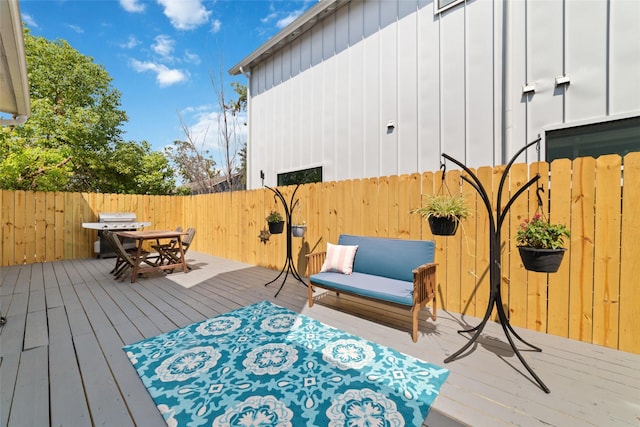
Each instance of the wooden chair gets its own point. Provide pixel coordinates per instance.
(171, 255)
(160, 247)
(125, 260)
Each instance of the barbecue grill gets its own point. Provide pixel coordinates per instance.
(114, 221)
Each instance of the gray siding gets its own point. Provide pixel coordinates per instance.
(451, 83)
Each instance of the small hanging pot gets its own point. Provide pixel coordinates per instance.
(276, 227)
(541, 260)
(298, 230)
(443, 226)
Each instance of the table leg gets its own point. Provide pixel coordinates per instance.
(136, 266)
(184, 262)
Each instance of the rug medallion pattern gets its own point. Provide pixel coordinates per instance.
(264, 365)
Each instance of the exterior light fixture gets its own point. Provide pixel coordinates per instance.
(528, 88)
(562, 80)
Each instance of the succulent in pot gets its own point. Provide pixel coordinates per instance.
(275, 222)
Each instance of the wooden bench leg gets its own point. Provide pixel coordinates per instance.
(434, 315)
(310, 290)
(414, 332)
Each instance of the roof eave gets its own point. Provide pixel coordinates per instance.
(14, 83)
(287, 34)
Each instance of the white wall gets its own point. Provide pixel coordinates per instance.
(325, 99)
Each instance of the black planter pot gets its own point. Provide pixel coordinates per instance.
(443, 226)
(541, 260)
(276, 227)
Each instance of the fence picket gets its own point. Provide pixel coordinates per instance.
(629, 256)
(607, 251)
(581, 253)
(519, 292)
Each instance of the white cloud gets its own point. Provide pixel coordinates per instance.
(271, 16)
(164, 46)
(165, 76)
(203, 124)
(288, 19)
(132, 6)
(28, 19)
(191, 58)
(280, 20)
(76, 28)
(185, 14)
(216, 25)
(131, 43)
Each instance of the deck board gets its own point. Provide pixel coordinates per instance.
(30, 405)
(68, 404)
(68, 320)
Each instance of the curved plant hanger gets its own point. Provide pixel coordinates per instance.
(497, 217)
(443, 182)
(540, 189)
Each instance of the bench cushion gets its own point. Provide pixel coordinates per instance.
(386, 257)
(381, 288)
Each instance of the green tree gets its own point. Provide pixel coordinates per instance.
(73, 138)
(130, 168)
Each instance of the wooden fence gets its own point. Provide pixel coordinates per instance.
(595, 297)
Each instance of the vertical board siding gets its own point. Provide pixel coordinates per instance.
(624, 33)
(451, 81)
(594, 297)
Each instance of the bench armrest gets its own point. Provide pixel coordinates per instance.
(424, 282)
(314, 262)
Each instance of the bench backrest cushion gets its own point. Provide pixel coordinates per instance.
(392, 258)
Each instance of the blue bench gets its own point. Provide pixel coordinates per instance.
(396, 271)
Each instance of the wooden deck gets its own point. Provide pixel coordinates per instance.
(62, 362)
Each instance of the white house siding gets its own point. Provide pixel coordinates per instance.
(451, 82)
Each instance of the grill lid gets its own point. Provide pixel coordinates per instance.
(116, 221)
(116, 217)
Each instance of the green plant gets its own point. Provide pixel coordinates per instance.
(274, 216)
(540, 234)
(445, 206)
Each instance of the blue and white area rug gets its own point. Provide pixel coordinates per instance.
(264, 365)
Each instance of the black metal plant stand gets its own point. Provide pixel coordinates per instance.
(289, 266)
(495, 224)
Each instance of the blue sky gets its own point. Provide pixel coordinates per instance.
(161, 53)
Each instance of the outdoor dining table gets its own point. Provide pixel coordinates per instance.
(157, 235)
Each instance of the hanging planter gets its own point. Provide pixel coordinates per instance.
(275, 222)
(299, 227)
(444, 212)
(540, 244)
(276, 227)
(541, 260)
(443, 226)
(298, 230)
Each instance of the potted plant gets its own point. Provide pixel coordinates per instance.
(298, 230)
(276, 222)
(540, 244)
(444, 213)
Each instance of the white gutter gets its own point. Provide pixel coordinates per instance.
(286, 35)
(14, 83)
